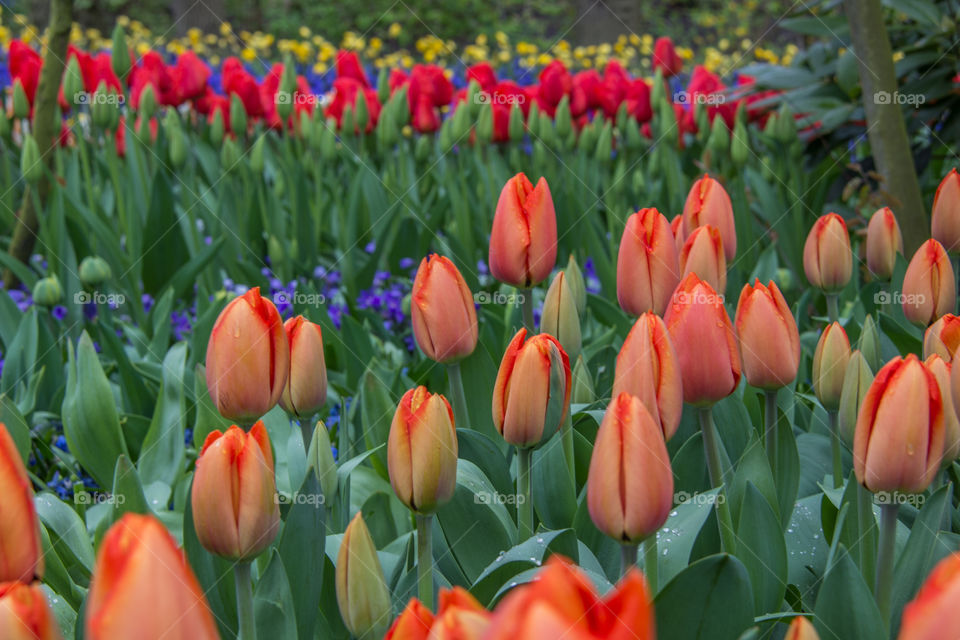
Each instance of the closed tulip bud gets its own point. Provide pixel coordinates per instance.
(884, 242)
(21, 556)
(676, 228)
(739, 144)
(942, 338)
(648, 264)
(708, 203)
(523, 243)
(306, 387)
(574, 278)
(929, 286)
(768, 335)
(442, 311)
(951, 425)
(856, 382)
(422, 451)
(898, 445)
(320, 459)
(933, 614)
(147, 106)
(24, 613)
(484, 128)
(31, 165)
(945, 222)
(21, 104)
(256, 155)
(217, 127)
(238, 115)
(630, 484)
(827, 258)
(559, 317)
(869, 343)
(120, 54)
(72, 84)
(234, 502)
(142, 587)
(582, 384)
(94, 271)
(362, 593)
(719, 140)
(830, 365)
(702, 254)
(705, 341)
(801, 629)
(248, 358)
(647, 367)
(532, 390)
(47, 292)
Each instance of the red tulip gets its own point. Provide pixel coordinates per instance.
(152, 71)
(705, 341)
(933, 614)
(442, 311)
(708, 203)
(236, 79)
(523, 243)
(346, 92)
(884, 242)
(945, 222)
(429, 82)
(348, 66)
(707, 86)
(942, 337)
(306, 387)
(24, 613)
(555, 83)
(583, 96)
(703, 254)
(25, 64)
(189, 76)
(769, 339)
(648, 267)
(21, 555)
(827, 258)
(929, 287)
(484, 74)
(665, 57)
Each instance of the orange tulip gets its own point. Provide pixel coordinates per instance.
(630, 483)
(898, 444)
(801, 629)
(444, 318)
(24, 613)
(412, 624)
(523, 243)
(532, 391)
(703, 254)
(422, 451)
(830, 365)
(676, 228)
(21, 556)
(769, 339)
(459, 616)
(933, 614)
(248, 358)
(306, 388)
(708, 203)
(647, 265)
(706, 344)
(884, 242)
(951, 424)
(234, 501)
(827, 258)
(647, 367)
(142, 587)
(942, 337)
(929, 287)
(945, 222)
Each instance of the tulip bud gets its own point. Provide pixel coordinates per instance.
(25, 614)
(523, 243)
(484, 128)
(559, 317)
(362, 113)
(786, 131)
(647, 368)
(217, 127)
(929, 287)
(933, 614)
(869, 343)
(21, 556)
(229, 155)
(945, 222)
(884, 242)
(238, 115)
(532, 391)
(94, 271)
(702, 254)
(739, 144)
(361, 587)
(719, 140)
(248, 358)
(328, 141)
(147, 105)
(705, 341)
(942, 338)
(801, 629)
(47, 292)
(142, 587)
(679, 237)
(238, 465)
(286, 88)
(768, 336)
(648, 264)
(898, 445)
(72, 83)
(306, 388)
(21, 104)
(708, 203)
(31, 165)
(830, 365)
(827, 258)
(856, 381)
(120, 54)
(562, 118)
(320, 459)
(582, 384)
(604, 143)
(515, 126)
(630, 483)
(422, 451)
(951, 425)
(578, 287)
(256, 155)
(442, 311)
(5, 126)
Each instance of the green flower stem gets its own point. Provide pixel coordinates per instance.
(867, 522)
(566, 440)
(425, 559)
(457, 395)
(728, 541)
(833, 310)
(770, 428)
(527, 306)
(246, 628)
(524, 501)
(628, 558)
(888, 535)
(650, 562)
(837, 453)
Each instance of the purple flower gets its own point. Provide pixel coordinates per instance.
(59, 312)
(371, 247)
(406, 263)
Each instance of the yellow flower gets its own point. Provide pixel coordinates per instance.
(898, 56)
(248, 54)
(304, 31)
(395, 30)
(225, 28)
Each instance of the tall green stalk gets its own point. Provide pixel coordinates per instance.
(246, 627)
(885, 552)
(770, 427)
(650, 568)
(628, 558)
(527, 305)
(457, 395)
(728, 540)
(835, 446)
(425, 559)
(524, 499)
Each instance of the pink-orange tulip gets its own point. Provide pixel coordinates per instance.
(945, 222)
(942, 337)
(459, 617)
(234, 500)
(898, 444)
(884, 242)
(24, 613)
(933, 614)
(951, 424)
(647, 368)
(676, 228)
(708, 203)
(532, 391)
(142, 587)
(703, 254)
(705, 341)
(422, 451)
(801, 629)
(248, 358)
(306, 388)
(21, 557)
(769, 339)
(647, 264)
(827, 258)
(413, 623)
(630, 483)
(929, 287)
(523, 243)
(444, 318)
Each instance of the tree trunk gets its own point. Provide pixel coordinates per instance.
(885, 126)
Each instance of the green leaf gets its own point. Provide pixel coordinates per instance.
(529, 554)
(163, 451)
(301, 548)
(215, 576)
(273, 603)
(164, 247)
(554, 496)
(761, 547)
(845, 606)
(16, 426)
(127, 491)
(21, 355)
(68, 533)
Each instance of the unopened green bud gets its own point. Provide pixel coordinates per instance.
(47, 292)
(94, 271)
(560, 317)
